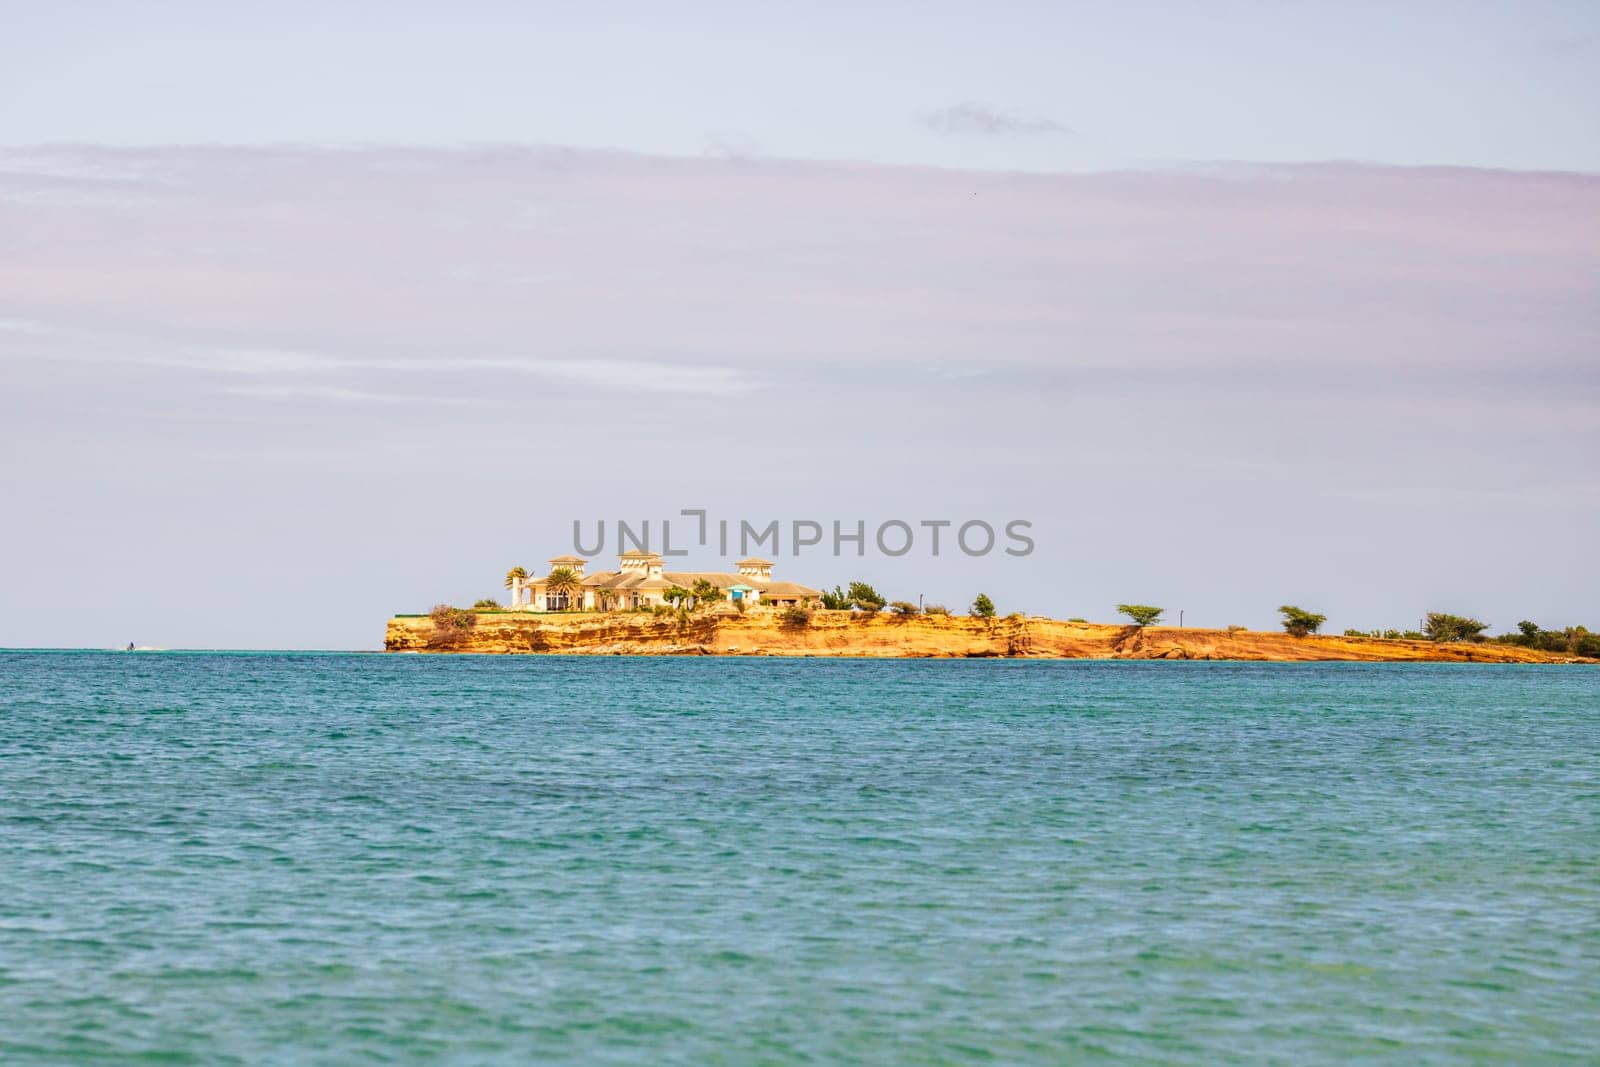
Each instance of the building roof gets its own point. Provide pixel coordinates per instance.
(568, 559)
(788, 589)
(639, 580)
(754, 562)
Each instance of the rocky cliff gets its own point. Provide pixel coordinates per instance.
(841, 633)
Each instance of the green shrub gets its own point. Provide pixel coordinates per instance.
(1297, 622)
(866, 598)
(838, 600)
(1141, 614)
(904, 608)
(488, 602)
(1439, 626)
(795, 616)
(446, 618)
(935, 609)
(982, 607)
(1076, 619)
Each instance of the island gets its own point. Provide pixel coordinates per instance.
(642, 609)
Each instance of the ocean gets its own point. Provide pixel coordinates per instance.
(345, 858)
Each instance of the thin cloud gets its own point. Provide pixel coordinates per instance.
(334, 394)
(293, 367)
(972, 119)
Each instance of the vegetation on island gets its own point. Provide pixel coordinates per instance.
(1438, 626)
(866, 599)
(1141, 614)
(450, 624)
(1297, 622)
(1575, 640)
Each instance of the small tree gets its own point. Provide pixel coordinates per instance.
(1298, 622)
(1438, 626)
(838, 600)
(1141, 614)
(676, 595)
(936, 609)
(487, 602)
(445, 617)
(866, 598)
(706, 593)
(982, 607)
(450, 626)
(904, 608)
(795, 617)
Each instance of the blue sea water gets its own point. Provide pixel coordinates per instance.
(292, 858)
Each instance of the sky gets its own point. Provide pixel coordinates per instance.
(310, 316)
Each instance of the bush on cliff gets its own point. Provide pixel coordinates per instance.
(838, 600)
(487, 602)
(445, 617)
(1298, 622)
(935, 609)
(866, 598)
(795, 616)
(904, 608)
(1141, 614)
(1576, 640)
(982, 607)
(1439, 626)
(450, 625)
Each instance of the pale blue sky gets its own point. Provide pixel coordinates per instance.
(1072, 86)
(786, 268)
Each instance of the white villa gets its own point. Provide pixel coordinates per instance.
(640, 580)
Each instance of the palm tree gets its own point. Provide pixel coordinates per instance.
(511, 582)
(563, 582)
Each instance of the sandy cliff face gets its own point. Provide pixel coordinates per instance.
(841, 633)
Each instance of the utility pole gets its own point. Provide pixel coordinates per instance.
(1180, 618)
(919, 603)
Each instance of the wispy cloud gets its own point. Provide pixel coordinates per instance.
(972, 119)
(335, 394)
(618, 374)
(292, 370)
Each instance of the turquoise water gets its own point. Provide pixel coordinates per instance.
(346, 858)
